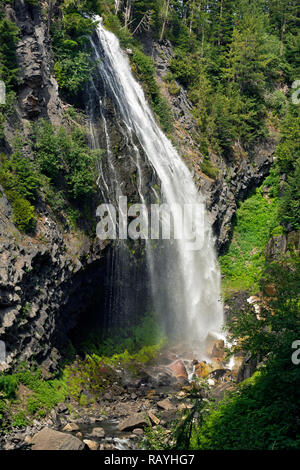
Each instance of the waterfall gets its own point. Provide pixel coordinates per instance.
(185, 282)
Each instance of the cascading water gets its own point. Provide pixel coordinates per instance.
(185, 282)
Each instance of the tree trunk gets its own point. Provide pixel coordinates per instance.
(127, 13)
(192, 18)
(164, 21)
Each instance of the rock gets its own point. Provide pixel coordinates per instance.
(79, 435)
(138, 432)
(219, 392)
(48, 439)
(178, 369)
(70, 427)
(218, 349)
(107, 446)
(165, 405)
(238, 363)
(92, 445)
(62, 408)
(153, 418)
(108, 396)
(98, 432)
(184, 406)
(137, 420)
(28, 440)
(202, 369)
(218, 374)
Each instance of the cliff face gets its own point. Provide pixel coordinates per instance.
(45, 280)
(48, 280)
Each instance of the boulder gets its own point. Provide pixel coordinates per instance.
(178, 369)
(137, 420)
(166, 405)
(49, 439)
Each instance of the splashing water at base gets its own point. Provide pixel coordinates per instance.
(185, 282)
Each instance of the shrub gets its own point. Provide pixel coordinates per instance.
(209, 169)
(8, 386)
(66, 159)
(24, 215)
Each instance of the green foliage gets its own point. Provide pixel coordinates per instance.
(24, 215)
(73, 64)
(20, 179)
(73, 70)
(65, 159)
(256, 222)
(289, 206)
(8, 386)
(8, 60)
(20, 420)
(209, 169)
(287, 167)
(18, 175)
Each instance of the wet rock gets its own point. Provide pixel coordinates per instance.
(48, 439)
(202, 369)
(219, 374)
(138, 420)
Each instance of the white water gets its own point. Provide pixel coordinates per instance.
(185, 283)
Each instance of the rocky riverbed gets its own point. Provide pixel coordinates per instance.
(118, 418)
